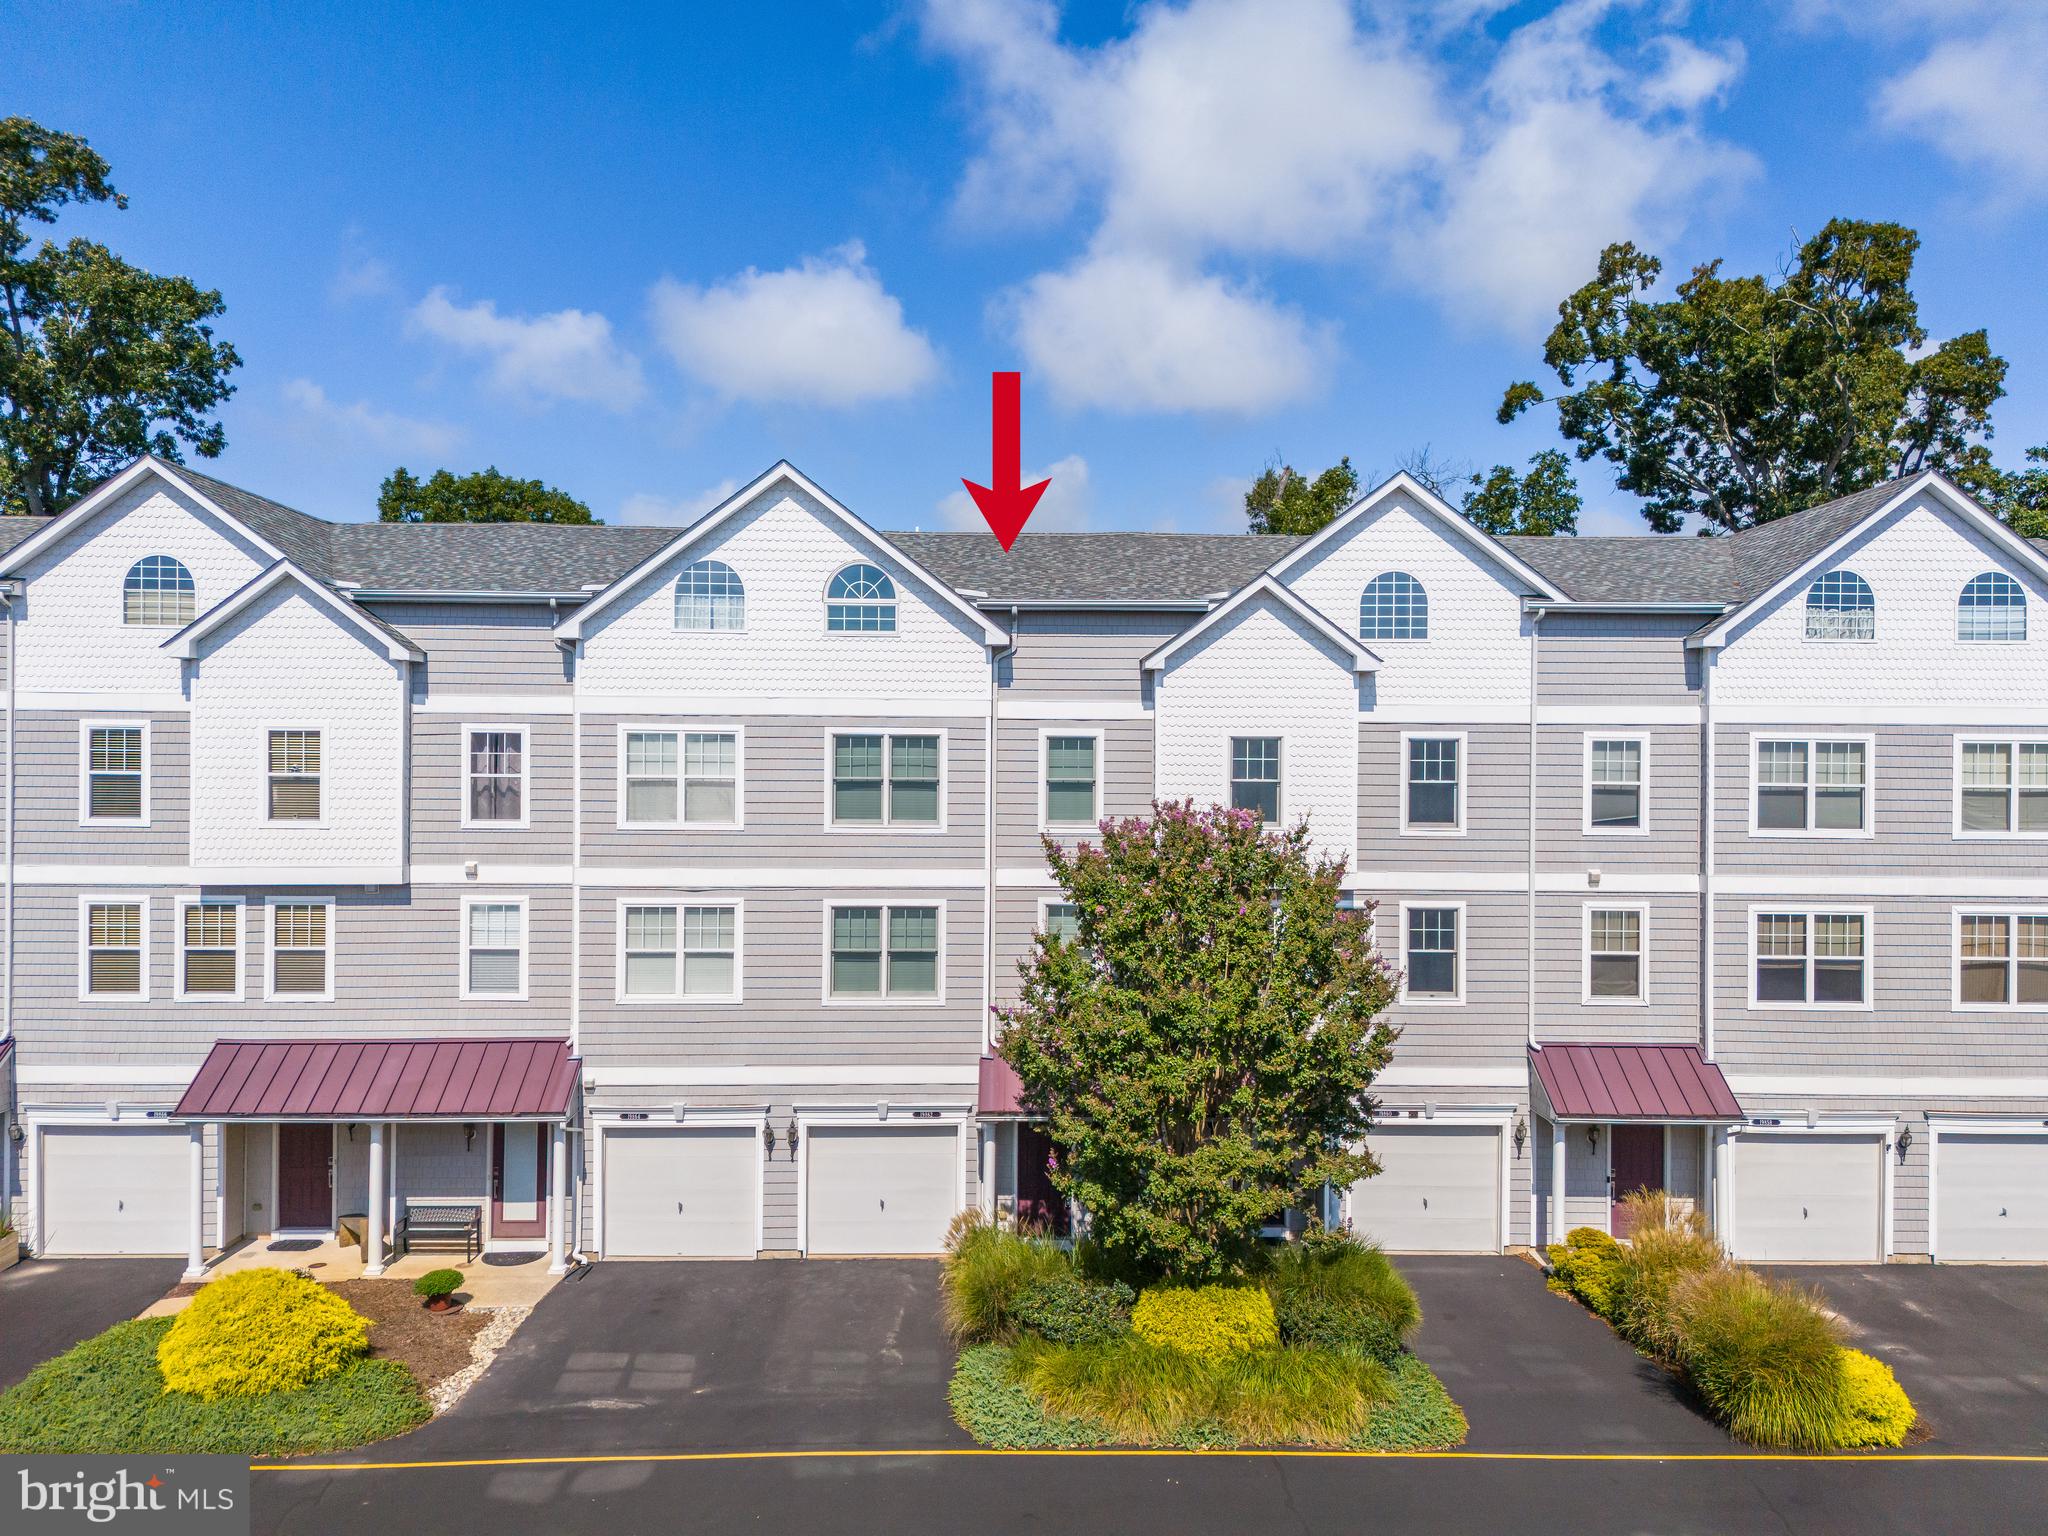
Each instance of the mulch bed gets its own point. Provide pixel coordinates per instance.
(432, 1345)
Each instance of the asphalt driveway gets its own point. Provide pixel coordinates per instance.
(48, 1305)
(771, 1355)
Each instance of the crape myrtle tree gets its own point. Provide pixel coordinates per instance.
(1205, 1049)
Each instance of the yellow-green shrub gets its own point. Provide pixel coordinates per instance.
(1588, 1265)
(260, 1331)
(1875, 1408)
(1209, 1320)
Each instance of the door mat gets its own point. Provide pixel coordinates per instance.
(292, 1245)
(511, 1260)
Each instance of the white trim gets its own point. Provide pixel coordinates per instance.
(1428, 1076)
(809, 1117)
(1924, 1086)
(1642, 744)
(2012, 915)
(116, 1074)
(2014, 740)
(683, 1117)
(1071, 709)
(87, 900)
(241, 910)
(465, 776)
(104, 495)
(852, 877)
(680, 728)
(1458, 958)
(1230, 781)
(270, 992)
(1809, 740)
(185, 643)
(912, 1075)
(1810, 911)
(1464, 783)
(100, 723)
(463, 948)
(888, 822)
(967, 709)
(1852, 712)
(449, 702)
(321, 734)
(679, 902)
(1043, 778)
(884, 998)
(1266, 585)
(290, 875)
(1642, 997)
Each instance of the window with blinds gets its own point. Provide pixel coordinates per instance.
(709, 947)
(294, 775)
(209, 949)
(651, 782)
(650, 952)
(497, 945)
(298, 948)
(886, 779)
(497, 775)
(711, 784)
(113, 773)
(885, 951)
(1070, 779)
(113, 936)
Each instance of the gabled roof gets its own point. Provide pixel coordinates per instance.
(572, 627)
(395, 646)
(51, 530)
(1267, 586)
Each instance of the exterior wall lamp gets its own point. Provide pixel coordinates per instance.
(1521, 1133)
(789, 1135)
(1905, 1142)
(767, 1134)
(1593, 1137)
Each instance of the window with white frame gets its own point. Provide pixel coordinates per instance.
(1614, 784)
(1614, 955)
(495, 768)
(1812, 786)
(861, 599)
(114, 958)
(1818, 959)
(1393, 606)
(1839, 606)
(648, 951)
(884, 952)
(710, 595)
(158, 592)
(1433, 969)
(494, 949)
(116, 761)
(1062, 921)
(653, 784)
(710, 951)
(711, 778)
(1433, 790)
(294, 775)
(680, 951)
(883, 779)
(209, 958)
(1992, 606)
(301, 933)
(2002, 959)
(2002, 786)
(1255, 776)
(1071, 779)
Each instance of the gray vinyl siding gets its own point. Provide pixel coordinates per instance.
(1671, 803)
(47, 799)
(1490, 1027)
(481, 647)
(1633, 659)
(1125, 775)
(1083, 655)
(1496, 771)
(1671, 971)
(785, 783)
(1017, 909)
(441, 785)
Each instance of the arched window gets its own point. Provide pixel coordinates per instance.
(1993, 607)
(709, 595)
(1839, 607)
(158, 591)
(1393, 607)
(861, 597)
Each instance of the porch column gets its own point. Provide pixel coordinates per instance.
(195, 1257)
(373, 1215)
(558, 1194)
(986, 1179)
(1553, 1231)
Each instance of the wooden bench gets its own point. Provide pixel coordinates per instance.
(443, 1222)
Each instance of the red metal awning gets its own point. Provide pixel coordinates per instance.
(1632, 1082)
(468, 1079)
(1001, 1093)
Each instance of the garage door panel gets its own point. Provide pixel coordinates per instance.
(1438, 1190)
(682, 1192)
(1991, 1197)
(871, 1189)
(108, 1191)
(1816, 1198)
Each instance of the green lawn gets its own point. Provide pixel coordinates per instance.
(106, 1396)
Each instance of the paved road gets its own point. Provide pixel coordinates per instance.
(48, 1305)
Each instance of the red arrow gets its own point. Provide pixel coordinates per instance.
(1009, 504)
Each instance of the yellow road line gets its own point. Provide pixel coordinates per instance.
(880, 1455)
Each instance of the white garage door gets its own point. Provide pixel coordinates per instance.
(875, 1189)
(1809, 1197)
(682, 1192)
(1438, 1190)
(116, 1191)
(1991, 1197)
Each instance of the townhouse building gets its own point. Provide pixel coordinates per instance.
(650, 890)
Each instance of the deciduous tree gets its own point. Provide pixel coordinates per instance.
(1545, 501)
(1281, 501)
(485, 496)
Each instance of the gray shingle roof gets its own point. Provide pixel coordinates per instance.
(1096, 567)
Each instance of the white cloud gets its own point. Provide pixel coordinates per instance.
(647, 509)
(824, 332)
(1983, 102)
(1135, 333)
(361, 274)
(1067, 506)
(569, 354)
(363, 423)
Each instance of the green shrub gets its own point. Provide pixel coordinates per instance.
(106, 1397)
(1068, 1310)
(1309, 1320)
(438, 1282)
(985, 1271)
(260, 1331)
(1875, 1408)
(1336, 1292)
(1207, 1320)
(1419, 1416)
(1764, 1354)
(992, 1405)
(1588, 1265)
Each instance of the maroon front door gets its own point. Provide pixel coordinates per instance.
(519, 1180)
(305, 1176)
(1039, 1205)
(1637, 1162)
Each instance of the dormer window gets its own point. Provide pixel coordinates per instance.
(1394, 606)
(158, 592)
(710, 595)
(861, 599)
(1992, 607)
(1839, 607)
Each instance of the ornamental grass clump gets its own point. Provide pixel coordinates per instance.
(1206, 1320)
(257, 1332)
(985, 1272)
(1669, 1242)
(1766, 1356)
(1339, 1293)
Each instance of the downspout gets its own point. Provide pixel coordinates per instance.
(405, 681)
(1535, 651)
(988, 824)
(572, 653)
(1709, 780)
(9, 590)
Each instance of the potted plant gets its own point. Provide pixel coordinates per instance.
(10, 1244)
(438, 1286)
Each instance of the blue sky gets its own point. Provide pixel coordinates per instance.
(642, 254)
